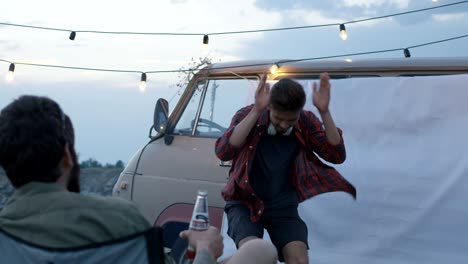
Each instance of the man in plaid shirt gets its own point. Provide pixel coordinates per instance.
(273, 145)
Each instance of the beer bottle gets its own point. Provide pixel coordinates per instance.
(200, 219)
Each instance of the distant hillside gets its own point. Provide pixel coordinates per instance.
(93, 181)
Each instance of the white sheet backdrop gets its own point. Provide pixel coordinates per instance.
(406, 141)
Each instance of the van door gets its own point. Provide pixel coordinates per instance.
(172, 173)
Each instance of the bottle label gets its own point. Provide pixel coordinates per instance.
(199, 224)
(200, 221)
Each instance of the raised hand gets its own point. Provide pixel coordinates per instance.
(321, 97)
(262, 95)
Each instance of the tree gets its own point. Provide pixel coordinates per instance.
(93, 163)
(119, 164)
(90, 163)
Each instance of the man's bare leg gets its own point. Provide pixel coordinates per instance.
(253, 250)
(244, 240)
(295, 252)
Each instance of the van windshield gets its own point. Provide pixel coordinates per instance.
(219, 100)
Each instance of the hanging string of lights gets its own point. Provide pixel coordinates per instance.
(342, 26)
(142, 87)
(406, 51)
(275, 67)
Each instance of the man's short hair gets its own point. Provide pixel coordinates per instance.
(33, 134)
(287, 95)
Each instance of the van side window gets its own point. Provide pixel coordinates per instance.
(222, 99)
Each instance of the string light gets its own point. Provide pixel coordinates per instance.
(72, 35)
(274, 67)
(237, 32)
(407, 53)
(11, 72)
(343, 34)
(143, 83)
(379, 51)
(205, 46)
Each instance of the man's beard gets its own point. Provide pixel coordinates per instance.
(74, 182)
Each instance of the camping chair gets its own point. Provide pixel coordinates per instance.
(145, 247)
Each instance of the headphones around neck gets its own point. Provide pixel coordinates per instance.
(272, 130)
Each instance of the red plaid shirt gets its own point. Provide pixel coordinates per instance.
(309, 175)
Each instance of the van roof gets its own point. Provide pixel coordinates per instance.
(350, 66)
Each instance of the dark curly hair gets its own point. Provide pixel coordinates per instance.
(33, 134)
(287, 95)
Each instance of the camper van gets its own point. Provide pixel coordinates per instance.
(383, 106)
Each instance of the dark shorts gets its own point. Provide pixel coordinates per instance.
(283, 225)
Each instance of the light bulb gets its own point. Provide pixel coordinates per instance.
(142, 87)
(407, 53)
(11, 73)
(72, 35)
(343, 34)
(274, 69)
(10, 76)
(143, 83)
(205, 50)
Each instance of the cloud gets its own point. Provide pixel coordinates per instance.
(69, 45)
(7, 45)
(13, 46)
(35, 22)
(450, 17)
(376, 3)
(346, 10)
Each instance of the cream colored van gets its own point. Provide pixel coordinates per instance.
(163, 177)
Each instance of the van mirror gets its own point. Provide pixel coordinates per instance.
(160, 115)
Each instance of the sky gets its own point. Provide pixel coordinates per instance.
(112, 117)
